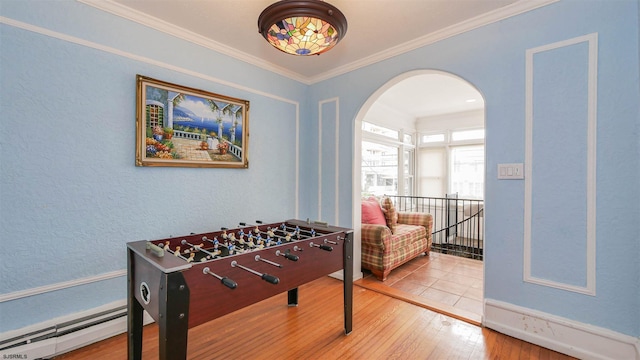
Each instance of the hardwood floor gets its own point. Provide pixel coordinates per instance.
(383, 328)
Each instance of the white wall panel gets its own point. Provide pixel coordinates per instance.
(560, 165)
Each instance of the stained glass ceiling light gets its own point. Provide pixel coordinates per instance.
(302, 27)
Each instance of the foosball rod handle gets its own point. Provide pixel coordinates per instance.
(287, 255)
(326, 248)
(224, 280)
(229, 283)
(155, 249)
(264, 276)
(323, 247)
(270, 278)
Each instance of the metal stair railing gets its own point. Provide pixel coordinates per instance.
(458, 227)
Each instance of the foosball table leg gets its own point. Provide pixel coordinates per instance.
(135, 313)
(292, 297)
(173, 326)
(348, 282)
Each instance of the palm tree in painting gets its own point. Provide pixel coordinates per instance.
(178, 99)
(222, 109)
(237, 115)
(175, 101)
(216, 108)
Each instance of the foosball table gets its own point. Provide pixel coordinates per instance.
(189, 280)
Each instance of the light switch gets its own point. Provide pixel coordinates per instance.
(514, 171)
(517, 171)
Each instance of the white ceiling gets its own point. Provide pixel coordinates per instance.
(432, 94)
(377, 29)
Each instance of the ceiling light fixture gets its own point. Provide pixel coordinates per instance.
(302, 27)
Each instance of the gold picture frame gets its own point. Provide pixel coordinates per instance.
(186, 127)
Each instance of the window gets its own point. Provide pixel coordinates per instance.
(433, 171)
(452, 161)
(379, 169)
(408, 167)
(467, 171)
(475, 134)
(380, 130)
(432, 138)
(388, 161)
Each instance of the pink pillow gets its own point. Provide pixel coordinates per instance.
(390, 214)
(372, 212)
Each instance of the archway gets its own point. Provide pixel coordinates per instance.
(447, 102)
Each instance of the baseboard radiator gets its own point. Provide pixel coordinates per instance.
(46, 340)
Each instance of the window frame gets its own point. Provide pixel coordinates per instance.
(401, 148)
(448, 145)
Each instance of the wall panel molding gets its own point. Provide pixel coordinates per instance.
(61, 285)
(336, 160)
(531, 195)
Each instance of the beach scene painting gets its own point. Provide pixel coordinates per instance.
(182, 126)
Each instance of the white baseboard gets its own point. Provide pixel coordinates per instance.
(44, 349)
(90, 335)
(64, 334)
(556, 333)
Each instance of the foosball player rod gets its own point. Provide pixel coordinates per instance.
(310, 233)
(277, 236)
(185, 242)
(258, 258)
(283, 238)
(323, 247)
(283, 235)
(287, 255)
(285, 230)
(258, 222)
(256, 226)
(266, 277)
(330, 242)
(245, 225)
(177, 253)
(224, 280)
(204, 238)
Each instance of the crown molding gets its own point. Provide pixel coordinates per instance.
(181, 33)
(514, 9)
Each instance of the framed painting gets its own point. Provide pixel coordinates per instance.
(181, 126)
